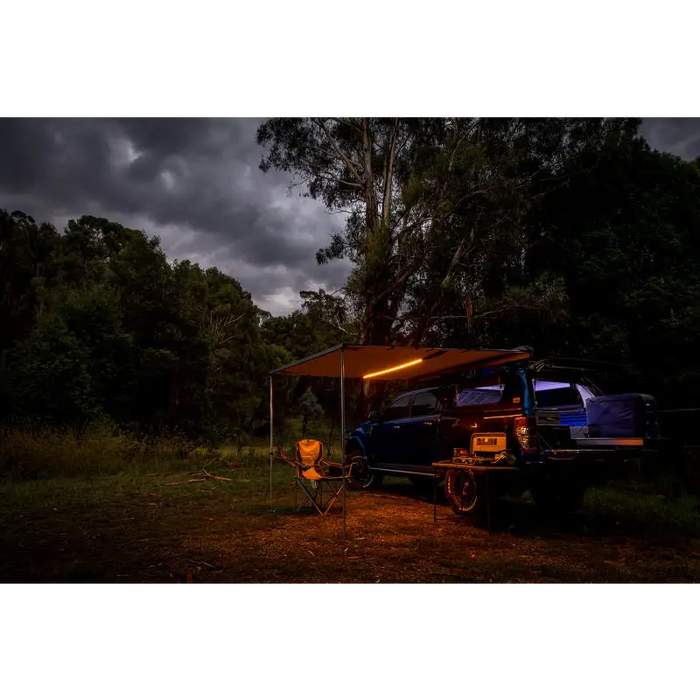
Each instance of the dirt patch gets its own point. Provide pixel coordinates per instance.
(215, 535)
(392, 538)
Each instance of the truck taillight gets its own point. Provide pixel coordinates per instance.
(526, 433)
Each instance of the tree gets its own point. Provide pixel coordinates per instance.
(47, 378)
(321, 323)
(623, 232)
(27, 273)
(435, 210)
(97, 325)
(309, 409)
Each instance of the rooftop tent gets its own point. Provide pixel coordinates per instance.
(384, 363)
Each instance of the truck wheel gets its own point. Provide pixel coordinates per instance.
(558, 499)
(464, 491)
(361, 478)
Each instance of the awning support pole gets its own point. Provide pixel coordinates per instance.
(271, 440)
(342, 436)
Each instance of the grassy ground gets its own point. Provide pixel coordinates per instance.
(137, 517)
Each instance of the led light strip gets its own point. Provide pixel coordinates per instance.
(393, 369)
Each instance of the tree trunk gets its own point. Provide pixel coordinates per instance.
(389, 174)
(370, 193)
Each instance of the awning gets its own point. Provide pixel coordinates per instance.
(381, 362)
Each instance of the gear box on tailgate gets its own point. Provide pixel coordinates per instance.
(621, 415)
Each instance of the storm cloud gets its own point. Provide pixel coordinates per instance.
(196, 184)
(680, 136)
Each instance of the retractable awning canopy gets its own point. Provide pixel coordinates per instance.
(381, 362)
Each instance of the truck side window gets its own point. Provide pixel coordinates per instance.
(479, 396)
(425, 404)
(556, 394)
(398, 409)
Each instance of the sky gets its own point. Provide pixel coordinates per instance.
(196, 184)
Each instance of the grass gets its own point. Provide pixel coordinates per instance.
(48, 454)
(103, 508)
(645, 511)
(117, 511)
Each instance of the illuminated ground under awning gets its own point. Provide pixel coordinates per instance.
(380, 362)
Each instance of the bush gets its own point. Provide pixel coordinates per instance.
(45, 454)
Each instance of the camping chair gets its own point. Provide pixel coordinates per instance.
(311, 472)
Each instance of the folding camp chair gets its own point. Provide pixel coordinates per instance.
(312, 472)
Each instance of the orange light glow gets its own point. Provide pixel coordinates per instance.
(393, 369)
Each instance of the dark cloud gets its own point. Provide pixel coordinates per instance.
(680, 136)
(194, 182)
(197, 185)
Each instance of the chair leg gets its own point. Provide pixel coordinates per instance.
(311, 497)
(314, 496)
(306, 496)
(337, 492)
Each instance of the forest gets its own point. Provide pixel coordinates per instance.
(572, 236)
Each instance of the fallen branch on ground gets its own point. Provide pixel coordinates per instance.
(213, 476)
(203, 475)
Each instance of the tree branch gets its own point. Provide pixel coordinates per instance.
(348, 122)
(340, 153)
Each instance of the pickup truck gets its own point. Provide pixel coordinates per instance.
(543, 427)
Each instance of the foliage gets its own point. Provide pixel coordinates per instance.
(98, 326)
(309, 409)
(51, 453)
(624, 234)
(436, 208)
(569, 235)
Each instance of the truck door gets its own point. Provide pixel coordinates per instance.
(388, 439)
(420, 430)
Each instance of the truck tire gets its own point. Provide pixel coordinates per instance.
(465, 492)
(361, 478)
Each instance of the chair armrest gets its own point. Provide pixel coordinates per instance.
(332, 464)
(283, 457)
(348, 468)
